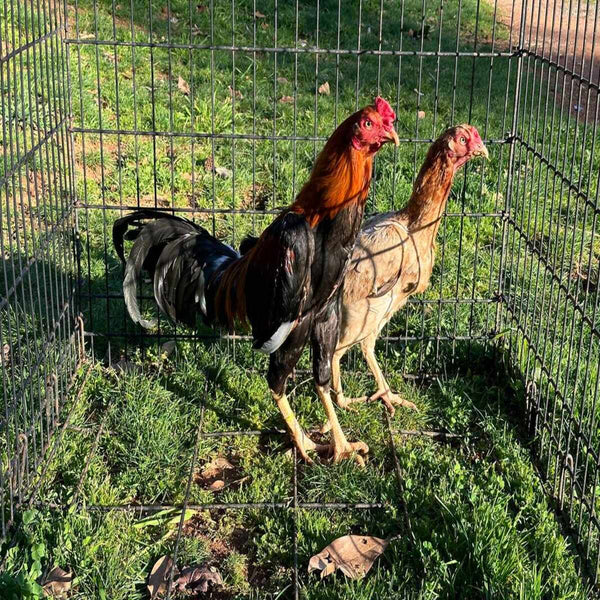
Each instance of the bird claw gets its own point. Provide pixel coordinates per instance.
(353, 450)
(390, 399)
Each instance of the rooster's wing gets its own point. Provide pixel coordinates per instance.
(278, 280)
(378, 257)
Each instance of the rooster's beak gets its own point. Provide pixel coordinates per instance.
(482, 151)
(392, 136)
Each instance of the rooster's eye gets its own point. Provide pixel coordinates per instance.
(462, 139)
(368, 124)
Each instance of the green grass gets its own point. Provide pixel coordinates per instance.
(480, 517)
(482, 522)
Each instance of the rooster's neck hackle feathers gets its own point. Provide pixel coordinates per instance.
(341, 176)
(430, 192)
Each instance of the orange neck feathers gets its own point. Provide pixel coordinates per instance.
(430, 193)
(341, 177)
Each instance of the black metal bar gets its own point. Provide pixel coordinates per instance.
(288, 50)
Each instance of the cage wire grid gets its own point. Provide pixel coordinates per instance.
(58, 122)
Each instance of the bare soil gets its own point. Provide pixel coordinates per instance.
(565, 33)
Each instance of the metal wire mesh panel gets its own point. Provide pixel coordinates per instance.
(551, 271)
(218, 110)
(38, 338)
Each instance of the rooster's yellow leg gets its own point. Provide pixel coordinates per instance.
(340, 447)
(383, 392)
(336, 386)
(302, 441)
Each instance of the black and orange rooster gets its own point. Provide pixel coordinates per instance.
(287, 284)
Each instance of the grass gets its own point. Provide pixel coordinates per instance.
(482, 522)
(480, 517)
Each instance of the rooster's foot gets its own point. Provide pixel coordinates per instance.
(386, 396)
(391, 400)
(343, 451)
(303, 446)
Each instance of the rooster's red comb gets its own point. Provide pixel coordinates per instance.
(386, 111)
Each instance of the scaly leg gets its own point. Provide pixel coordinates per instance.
(324, 341)
(383, 392)
(336, 384)
(302, 441)
(281, 364)
(340, 446)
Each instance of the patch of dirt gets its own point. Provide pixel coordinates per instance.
(563, 34)
(204, 525)
(256, 197)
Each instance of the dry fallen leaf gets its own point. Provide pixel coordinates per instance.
(216, 486)
(421, 114)
(157, 580)
(57, 583)
(5, 356)
(197, 579)
(352, 554)
(282, 80)
(259, 15)
(183, 86)
(287, 99)
(223, 172)
(215, 467)
(264, 26)
(235, 93)
(324, 89)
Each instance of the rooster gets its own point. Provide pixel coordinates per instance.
(287, 284)
(393, 259)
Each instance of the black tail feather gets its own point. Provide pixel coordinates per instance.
(179, 256)
(247, 244)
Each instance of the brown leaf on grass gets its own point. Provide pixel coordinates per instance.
(5, 356)
(223, 172)
(421, 114)
(216, 486)
(197, 579)
(287, 99)
(235, 93)
(324, 89)
(259, 15)
(215, 467)
(353, 555)
(264, 26)
(157, 580)
(183, 86)
(57, 583)
(282, 80)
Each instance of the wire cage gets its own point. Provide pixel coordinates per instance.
(216, 110)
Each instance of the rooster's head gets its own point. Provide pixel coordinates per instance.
(374, 126)
(462, 143)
